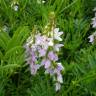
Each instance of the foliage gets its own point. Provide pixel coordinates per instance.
(78, 55)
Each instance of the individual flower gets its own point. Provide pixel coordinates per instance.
(41, 1)
(57, 34)
(52, 56)
(33, 56)
(43, 41)
(38, 39)
(47, 42)
(46, 63)
(50, 41)
(57, 47)
(42, 52)
(60, 78)
(49, 71)
(57, 86)
(34, 68)
(57, 71)
(92, 37)
(15, 5)
(5, 28)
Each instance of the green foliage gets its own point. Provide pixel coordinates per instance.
(78, 56)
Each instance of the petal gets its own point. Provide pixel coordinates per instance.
(57, 47)
(60, 33)
(34, 68)
(57, 86)
(47, 64)
(43, 61)
(42, 52)
(91, 37)
(56, 30)
(59, 66)
(52, 56)
(60, 78)
(57, 37)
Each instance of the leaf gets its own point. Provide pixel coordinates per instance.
(1, 55)
(9, 66)
(19, 37)
(12, 51)
(4, 39)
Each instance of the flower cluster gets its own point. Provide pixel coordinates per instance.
(42, 51)
(93, 36)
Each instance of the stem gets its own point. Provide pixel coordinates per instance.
(69, 6)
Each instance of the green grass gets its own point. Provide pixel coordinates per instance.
(78, 55)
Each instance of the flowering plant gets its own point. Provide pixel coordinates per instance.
(42, 51)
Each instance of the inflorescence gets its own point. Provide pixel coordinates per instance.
(42, 51)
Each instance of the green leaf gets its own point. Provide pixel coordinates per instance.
(4, 39)
(19, 37)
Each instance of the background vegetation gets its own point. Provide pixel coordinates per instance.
(78, 55)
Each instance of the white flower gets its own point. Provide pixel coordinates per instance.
(60, 78)
(15, 7)
(57, 34)
(92, 37)
(40, 1)
(57, 86)
(57, 47)
(50, 41)
(5, 28)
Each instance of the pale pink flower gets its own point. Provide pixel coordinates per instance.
(52, 56)
(34, 68)
(38, 39)
(42, 52)
(60, 78)
(46, 63)
(49, 71)
(60, 66)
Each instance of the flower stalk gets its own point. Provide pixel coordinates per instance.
(43, 52)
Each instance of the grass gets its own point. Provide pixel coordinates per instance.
(78, 55)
